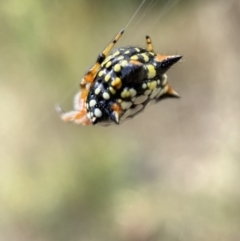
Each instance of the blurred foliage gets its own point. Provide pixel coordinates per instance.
(170, 174)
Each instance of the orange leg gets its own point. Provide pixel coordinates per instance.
(91, 74)
(79, 115)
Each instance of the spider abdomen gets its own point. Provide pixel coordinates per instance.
(127, 80)
(121, 85)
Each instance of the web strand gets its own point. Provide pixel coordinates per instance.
(169, 5)
(136, 12)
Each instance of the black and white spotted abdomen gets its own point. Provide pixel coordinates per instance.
(127, 81)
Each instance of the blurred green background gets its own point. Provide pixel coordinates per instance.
(171, 173)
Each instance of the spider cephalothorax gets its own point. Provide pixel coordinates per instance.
(121, 85)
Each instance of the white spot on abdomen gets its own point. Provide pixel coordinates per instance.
(92, 103)
(97, 112)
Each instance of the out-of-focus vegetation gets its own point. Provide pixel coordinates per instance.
(171, 173)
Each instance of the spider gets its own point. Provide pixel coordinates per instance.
(121, 85)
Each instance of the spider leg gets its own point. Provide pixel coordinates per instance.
(79, 115)
(90, 75)
(149, 44)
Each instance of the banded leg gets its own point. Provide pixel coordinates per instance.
(79, 115)
(149, 44)
(90, 76)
